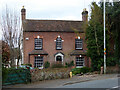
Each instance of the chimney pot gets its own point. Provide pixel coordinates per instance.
(85, 15)
(23, 13)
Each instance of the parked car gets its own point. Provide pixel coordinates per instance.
(26, 67)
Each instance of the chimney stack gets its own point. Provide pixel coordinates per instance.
(85, 15)
(23, 13)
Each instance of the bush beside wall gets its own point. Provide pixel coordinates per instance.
(82, 70)
(49, 74)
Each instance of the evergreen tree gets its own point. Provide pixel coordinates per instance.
(113, 26)
(94, 37)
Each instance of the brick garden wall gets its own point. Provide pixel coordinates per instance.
(113, 69)
(49, 74)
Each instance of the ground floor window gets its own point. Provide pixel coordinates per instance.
(79, 61)
(38, 61)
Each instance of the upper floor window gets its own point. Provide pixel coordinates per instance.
(59, 43)
(38, 43)
(78, 44)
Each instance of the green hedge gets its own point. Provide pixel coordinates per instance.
(4, 74)
(18, 75)
(111, 61)
(81, 70)
(47, 64)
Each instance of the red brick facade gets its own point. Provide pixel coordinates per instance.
(49, 45)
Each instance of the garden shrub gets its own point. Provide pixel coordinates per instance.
(111, 61)
(81, 70)
(4, 74)
(47, 64)
(85, 69)
(76, 71)
(19, 72)
(69, 64)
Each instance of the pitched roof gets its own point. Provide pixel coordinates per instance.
(52, 25)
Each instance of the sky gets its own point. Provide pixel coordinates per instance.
(48, 9)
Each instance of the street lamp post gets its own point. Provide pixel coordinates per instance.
(104, 43)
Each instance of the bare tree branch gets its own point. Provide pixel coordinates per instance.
(10, 24)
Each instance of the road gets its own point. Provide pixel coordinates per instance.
(105, 83)
(77, 82)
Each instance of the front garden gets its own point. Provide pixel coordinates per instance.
(26, 74)
(56, 71)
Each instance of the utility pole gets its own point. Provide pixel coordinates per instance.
(104, 43)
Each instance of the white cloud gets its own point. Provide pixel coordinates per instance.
(68, 18)
(0, 33)
(49, 9)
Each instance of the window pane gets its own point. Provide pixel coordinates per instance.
(79, 61)
(58, 43)
(38, 61)
(78, 44)
(38, 43)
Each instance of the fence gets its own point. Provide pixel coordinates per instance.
(15, 76)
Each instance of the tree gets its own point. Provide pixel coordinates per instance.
(5, 53)
(10, 24)
(116, 29)
(94, 37)
(113, 25)
(94, 34)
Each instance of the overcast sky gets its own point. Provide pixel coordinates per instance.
(48, 9)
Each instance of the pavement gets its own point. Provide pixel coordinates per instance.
(109, 83)
(63, 82)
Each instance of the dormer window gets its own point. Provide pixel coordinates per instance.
(59, 43)
(38, 43)
(78, 44)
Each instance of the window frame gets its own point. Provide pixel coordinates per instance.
(37, 64)
(81, 44)
(35, 44)
(83, 61)
(58, 42)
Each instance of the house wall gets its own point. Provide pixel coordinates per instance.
(49, 45)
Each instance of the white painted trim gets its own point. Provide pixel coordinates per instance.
(59, 54)
(58, 35)
(38, 55)
(27, 38)
(78, 37)
(38, 36)
(83, 64)
(79, 66)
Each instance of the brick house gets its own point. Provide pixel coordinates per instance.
(54, 41)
